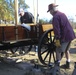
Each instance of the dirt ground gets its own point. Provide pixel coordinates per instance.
(10, 69)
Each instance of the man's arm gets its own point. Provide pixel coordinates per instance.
(21, 21)
(56, 27)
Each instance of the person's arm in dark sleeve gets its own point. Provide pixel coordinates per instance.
(21, 21)
(56, 27)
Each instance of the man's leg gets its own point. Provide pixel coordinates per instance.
(67, 55)
(64, 48)
(58, 57)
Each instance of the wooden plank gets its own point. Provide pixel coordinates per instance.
(21, 33)
(0, 33)
(19, 43)
(43, 28)
(46, 27)
(7, 33)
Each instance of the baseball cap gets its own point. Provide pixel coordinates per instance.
(51, 6)
(20, 10)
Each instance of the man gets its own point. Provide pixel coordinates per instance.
(63, 33)
(25, 17)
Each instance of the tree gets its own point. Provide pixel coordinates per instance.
(7, 11)
(22, 4)
(43, 21)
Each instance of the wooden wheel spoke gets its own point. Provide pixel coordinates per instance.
(46, 56)
(53, 39)
(53, 57)
(49, 59)
(44, 51)
(50, 37)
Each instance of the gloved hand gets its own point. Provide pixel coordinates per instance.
(57, 43)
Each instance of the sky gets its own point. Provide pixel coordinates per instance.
(66, 6)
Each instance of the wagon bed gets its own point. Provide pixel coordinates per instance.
(15, 36)
(40, 35)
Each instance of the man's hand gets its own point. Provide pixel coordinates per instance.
(57, 43)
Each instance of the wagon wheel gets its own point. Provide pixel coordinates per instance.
(21, 50)
(46, 48)
(24, 49)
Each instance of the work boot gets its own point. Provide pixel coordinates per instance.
(57, 63)
(66, 66)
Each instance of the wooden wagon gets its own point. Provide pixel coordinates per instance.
(13, 37)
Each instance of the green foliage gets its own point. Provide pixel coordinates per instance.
(22, 4)
(43, 21)
(7, 11)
